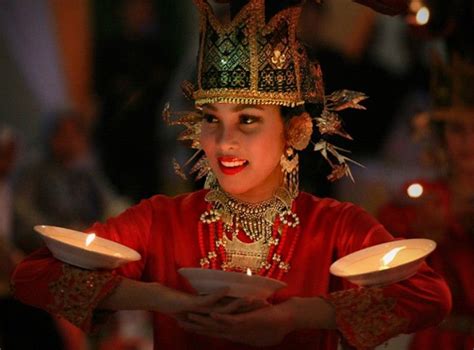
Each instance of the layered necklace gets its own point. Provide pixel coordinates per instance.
(237, 236)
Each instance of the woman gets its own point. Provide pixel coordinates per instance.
(258, 97)
(444, 211)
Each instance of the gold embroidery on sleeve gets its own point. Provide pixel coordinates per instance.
(365, 317)
(77, 292)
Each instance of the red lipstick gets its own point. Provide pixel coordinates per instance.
(231, 165)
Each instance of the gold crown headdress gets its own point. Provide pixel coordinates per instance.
(252, 61)
(257, 58)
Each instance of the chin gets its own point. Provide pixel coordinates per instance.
(234, 188)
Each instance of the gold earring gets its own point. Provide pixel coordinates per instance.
(289, 162)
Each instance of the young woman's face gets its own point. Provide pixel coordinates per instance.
(459, 136)
(244, 144)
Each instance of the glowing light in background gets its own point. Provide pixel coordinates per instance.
(418, 14)
(422, 16)
(249, 272)
(415, 190)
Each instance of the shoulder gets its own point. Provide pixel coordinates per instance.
(161, 210)
(308, 203)
(345, 224)
(186, 202)
(340, 216)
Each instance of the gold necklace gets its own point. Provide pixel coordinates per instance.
(255, 220)
(266, 224)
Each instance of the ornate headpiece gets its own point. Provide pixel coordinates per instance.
(252, 61)
(257, 58)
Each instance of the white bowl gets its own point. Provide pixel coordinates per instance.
(206, 281)
(85, 250)
(384, 263)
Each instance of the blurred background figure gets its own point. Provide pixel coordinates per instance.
(65, 188)
(8, 148)
(132, 68)
(442, 208)
(21, 326)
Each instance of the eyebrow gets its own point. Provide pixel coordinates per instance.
(237, 108)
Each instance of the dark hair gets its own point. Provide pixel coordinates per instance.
(314, 110)
(288, 112)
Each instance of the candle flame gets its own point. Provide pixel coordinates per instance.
(90, 238)
(249, 272)
(388, 258)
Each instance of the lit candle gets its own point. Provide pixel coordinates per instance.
(388, 257)
(90, 238)
(249, 272)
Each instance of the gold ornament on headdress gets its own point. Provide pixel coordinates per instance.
(298, 131)
(192, 122)
(258, 60)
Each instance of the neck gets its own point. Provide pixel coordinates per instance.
(253, 198)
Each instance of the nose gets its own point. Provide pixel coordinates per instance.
(228, 138)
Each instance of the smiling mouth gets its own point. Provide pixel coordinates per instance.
(232, 166)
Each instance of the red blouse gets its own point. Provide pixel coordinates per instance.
(164, 231)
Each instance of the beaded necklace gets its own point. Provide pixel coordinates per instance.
(236, 236)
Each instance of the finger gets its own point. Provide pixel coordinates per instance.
(190, 327)
(214, 297)
(226, 319)
(254, 304)
(233, 306)
(205, 321)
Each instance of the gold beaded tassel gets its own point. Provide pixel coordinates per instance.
(289, 162)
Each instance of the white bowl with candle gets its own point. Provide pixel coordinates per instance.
(385, 263)
(85, 250)
(240, 284)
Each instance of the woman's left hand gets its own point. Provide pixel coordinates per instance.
(261, 327)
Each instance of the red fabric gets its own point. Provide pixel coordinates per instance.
(453, 258)
(164, 231)
(387, 7)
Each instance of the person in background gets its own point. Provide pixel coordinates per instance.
(8, 149)
(131, 71)
(17, 319)
(257, 99)
(65, 188)
(442, 209)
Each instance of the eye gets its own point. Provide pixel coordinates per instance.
(249, 119)
(209, 118)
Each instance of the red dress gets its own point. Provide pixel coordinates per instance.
(164, 231)
(453, 258)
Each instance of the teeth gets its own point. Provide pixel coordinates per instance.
(233, 164)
